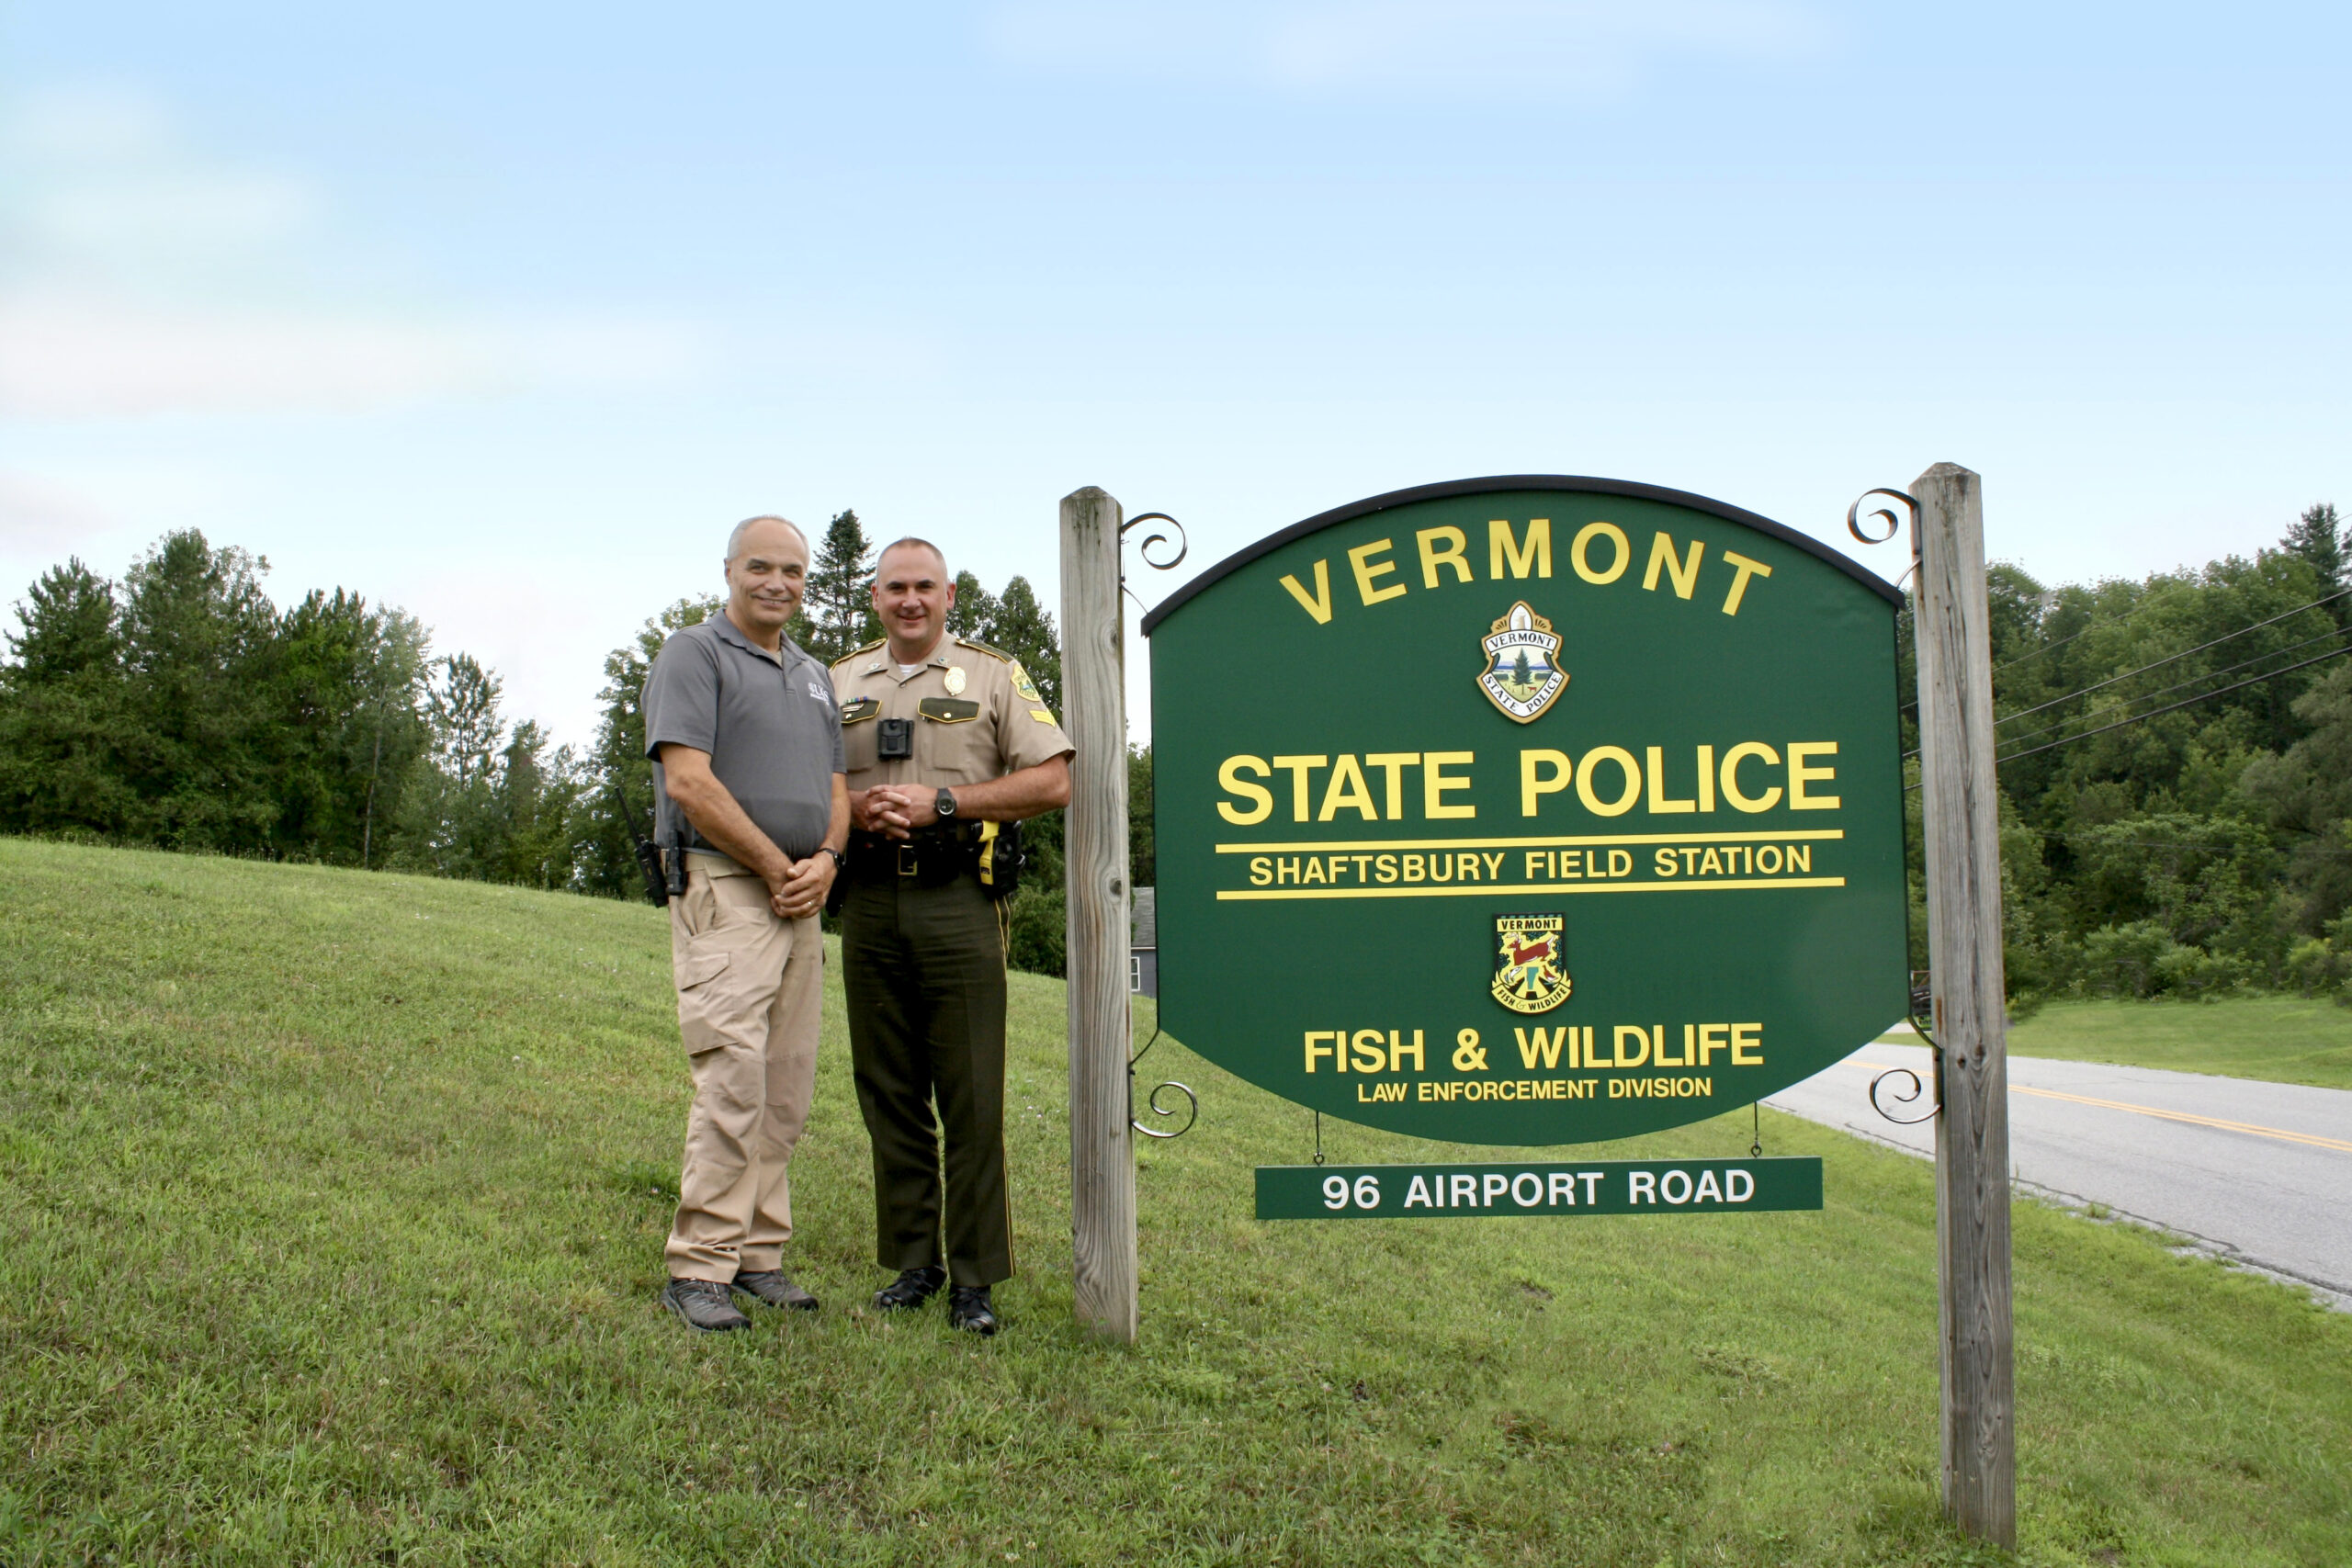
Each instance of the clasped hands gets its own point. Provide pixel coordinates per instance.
(896, 811)
(802, 892)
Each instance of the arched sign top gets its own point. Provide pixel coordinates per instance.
(1501, 483)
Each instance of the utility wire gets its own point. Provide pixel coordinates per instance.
(2184, 653)
(2170, 707)
(2176, 685)
(2122, 724)
(2283, 614)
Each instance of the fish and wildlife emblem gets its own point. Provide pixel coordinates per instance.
(1522, 674)
(1531, 970)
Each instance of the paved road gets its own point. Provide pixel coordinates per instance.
(2260, 1173)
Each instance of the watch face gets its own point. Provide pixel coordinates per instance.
(946, 804)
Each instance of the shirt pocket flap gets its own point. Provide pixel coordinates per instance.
(699, 967)
(863, 708)
(949, 710)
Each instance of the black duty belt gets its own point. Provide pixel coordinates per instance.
(927, 860)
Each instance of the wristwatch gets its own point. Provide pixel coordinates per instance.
(841, 860)
(946, 804)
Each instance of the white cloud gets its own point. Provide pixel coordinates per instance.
(143, 277)
(39, 519)
(1450, 48)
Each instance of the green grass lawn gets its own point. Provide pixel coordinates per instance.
(2284, 1039)
(330, 1211)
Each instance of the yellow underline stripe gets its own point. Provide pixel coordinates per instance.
(1497, 889)
(1801, 835)
(2313, 1139)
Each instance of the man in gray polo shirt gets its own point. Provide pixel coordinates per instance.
(746, 744)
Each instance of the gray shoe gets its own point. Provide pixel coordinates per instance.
(702, 1306)
(775, 1288)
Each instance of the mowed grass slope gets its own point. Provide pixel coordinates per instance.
(2283, 1039)
(331, 1210)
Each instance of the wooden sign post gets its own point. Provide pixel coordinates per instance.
(1101, 1142)
(1961, 815)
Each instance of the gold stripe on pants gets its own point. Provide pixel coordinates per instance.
(749, 997)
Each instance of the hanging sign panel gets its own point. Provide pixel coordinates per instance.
(1589, 1190)
(1527, 810)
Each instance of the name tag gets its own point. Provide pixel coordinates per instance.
(863, 708)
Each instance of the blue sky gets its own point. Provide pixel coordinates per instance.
(505, 314)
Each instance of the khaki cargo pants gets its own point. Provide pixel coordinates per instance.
(750, 993)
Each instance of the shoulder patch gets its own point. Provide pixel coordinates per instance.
(984, 647)
(1022, 684)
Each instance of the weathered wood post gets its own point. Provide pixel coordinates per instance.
(1102, 1142)
(1962, 814)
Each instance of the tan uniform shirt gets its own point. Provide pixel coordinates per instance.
(976, 713)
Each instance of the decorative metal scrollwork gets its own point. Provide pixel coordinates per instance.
(1893, 525)
(1152, 1099)
(1194, 1114)
(1917, 1089)
(1159, 537)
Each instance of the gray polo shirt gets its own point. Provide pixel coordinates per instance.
(770, 725)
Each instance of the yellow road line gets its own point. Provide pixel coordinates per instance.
(1515, 889)
(1799, 835)
(2313, 1139)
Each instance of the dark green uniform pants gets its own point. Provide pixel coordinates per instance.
(924, 972)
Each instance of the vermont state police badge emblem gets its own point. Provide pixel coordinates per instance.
(1531, 969)
(1522, 674)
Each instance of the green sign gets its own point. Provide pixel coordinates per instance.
(1527, 810)
(1485, 1191)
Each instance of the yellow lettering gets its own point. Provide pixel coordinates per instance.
(1665, 862)
(1711, 864)
(1638, 1057)
(1369, 1057)
(1299, 768)
(1314, 1051)
(1347, 789)
(1710, 1040)
(1366, 568)
(1706, 778)
(1799, 858)
(1383, 869)
(1494, 866)
(1320, 604)
(1261, 871)
(1800, 775)
(1229, 777)
(1394, 764)
(1502, 549)
(1579, 558)
(1413, 869)
(1740, 799)
(1532, 782)
(1746, 1044)
(1746, 569)
(1660, 804)
(1434, 783)
(1397, 1053)
(1432, 556)
(1592, 802)
(1684, 574)
(1621, 863)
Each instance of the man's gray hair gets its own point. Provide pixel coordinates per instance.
(911, 543)
(735, 539)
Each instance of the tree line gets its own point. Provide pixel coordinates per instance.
(2174, 762)
(180, 708)
(2174, 750)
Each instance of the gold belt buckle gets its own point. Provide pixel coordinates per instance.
(907, 862)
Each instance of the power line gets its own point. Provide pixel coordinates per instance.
(2184, 653)
(2170, 707)
(2176, 685)
(2156, 713)
(2324, 598)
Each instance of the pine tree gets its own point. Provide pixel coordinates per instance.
(837, 615)
(2318, 537)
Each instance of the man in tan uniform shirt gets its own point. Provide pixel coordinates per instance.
(940, 737)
